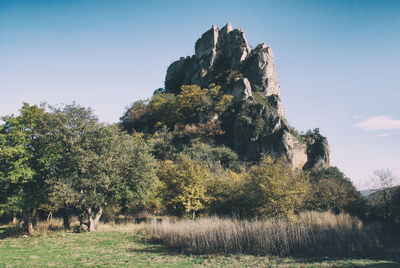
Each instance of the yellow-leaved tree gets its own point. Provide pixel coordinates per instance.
(183, 186)
(274, 189)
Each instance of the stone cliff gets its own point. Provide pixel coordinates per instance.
(223, 56)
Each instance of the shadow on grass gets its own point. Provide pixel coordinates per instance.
(2, 230)
(15, 231)
(392, 262)
(390, 256)
(10, 232)
(156, 247)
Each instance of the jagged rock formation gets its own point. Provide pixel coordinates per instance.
(220, 53)
(223, 56)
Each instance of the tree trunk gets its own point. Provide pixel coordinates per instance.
(35, 217)
(49, 217)
(14, 220)
(29, 226)
(28, 217)
(194, 214)
(80, 218)
(94, 218)
(66, 219)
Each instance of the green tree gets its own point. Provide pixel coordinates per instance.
(331, 190)
(98, 165)
(73, 132)
(137, 171)
(163, 110)
(226, 193)
(136, 117)
(24, 159)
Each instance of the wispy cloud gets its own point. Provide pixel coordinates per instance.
(383, 135)
(381, 122)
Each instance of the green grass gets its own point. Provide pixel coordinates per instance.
(124, 248)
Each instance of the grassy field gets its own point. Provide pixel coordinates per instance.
(125, 246)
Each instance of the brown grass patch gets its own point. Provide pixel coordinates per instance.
(312, 234)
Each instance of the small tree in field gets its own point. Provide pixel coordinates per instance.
(274, 189)
(183, 188)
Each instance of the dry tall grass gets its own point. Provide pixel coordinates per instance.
(313, 234)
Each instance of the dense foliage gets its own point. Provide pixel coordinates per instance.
(275, 190)
(64, 160)
(332, 190)
(193, 113)
(163, 158)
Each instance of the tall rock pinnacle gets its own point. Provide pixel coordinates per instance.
(223, 56)
(220, 51)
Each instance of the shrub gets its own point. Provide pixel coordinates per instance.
(213, 155)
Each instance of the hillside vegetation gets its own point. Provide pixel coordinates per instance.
(64, 162)
(62, 165)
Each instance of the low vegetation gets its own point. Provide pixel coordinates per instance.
(127, 245)
(313, 234)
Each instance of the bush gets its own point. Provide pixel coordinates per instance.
(213, 156)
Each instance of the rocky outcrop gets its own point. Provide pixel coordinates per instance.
(218, 55)
(318, 151)
(223, 56)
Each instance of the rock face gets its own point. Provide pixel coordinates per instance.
(317, 151)
(219, 53)
(223, 56)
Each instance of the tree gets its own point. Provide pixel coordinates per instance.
(162, 110)
(24, 159)
(384, 181)
(137, 171)
(274, 189)
(98, 165)
(73, 130)
(331, 190)
(136, 117)
(384, 178)
(183, 189)
(226, 191)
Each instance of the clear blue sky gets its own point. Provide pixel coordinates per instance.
(338, 62)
